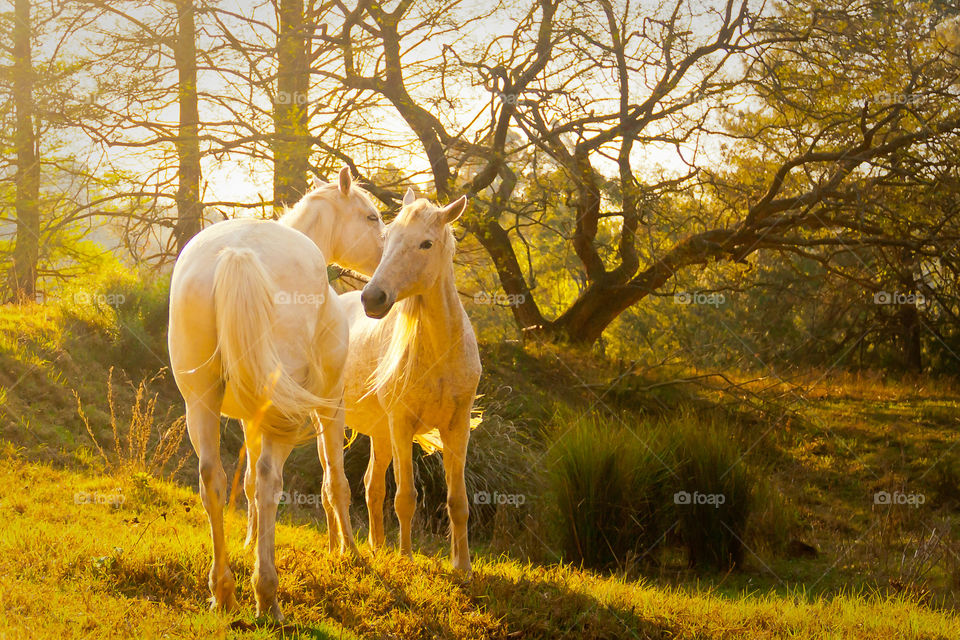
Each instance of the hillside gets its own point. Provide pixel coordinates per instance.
(138, 568)
(93, 546)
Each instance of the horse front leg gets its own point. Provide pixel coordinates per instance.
(273, 455)
(405, 502)
(455, 441)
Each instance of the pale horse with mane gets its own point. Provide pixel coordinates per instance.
(257, 333)
(413, 368)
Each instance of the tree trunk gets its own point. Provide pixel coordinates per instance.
(23, 275)
(909, 318)
(910, 336)
(600, 304)
(189, 205)
(291, 144)
(496, 242)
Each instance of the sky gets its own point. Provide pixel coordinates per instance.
(242, 179)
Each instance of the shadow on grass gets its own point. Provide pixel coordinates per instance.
(393, 597)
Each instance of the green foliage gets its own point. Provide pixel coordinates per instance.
(129, 306)
(624, 490)
(715, 493)
(610, 491)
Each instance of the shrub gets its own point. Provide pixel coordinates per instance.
(129, 307)
(609, 489)
(715, 492)
(622, 491)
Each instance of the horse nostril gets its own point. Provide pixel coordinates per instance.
(373, 297)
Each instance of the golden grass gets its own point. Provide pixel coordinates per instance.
(76, 561)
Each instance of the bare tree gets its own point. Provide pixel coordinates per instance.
(23, 274)
(590, 86)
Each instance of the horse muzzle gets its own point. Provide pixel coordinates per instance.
(376, 302)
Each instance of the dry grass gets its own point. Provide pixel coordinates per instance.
(137, 567)
(146, 443)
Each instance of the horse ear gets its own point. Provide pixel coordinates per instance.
(345, 180)
(317, 182)
(454, 210)
(409, 197)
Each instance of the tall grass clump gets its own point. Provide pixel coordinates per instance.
(609, 486)
(715, 492)
(622, 490)
(143, 442)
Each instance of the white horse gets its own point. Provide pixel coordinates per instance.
(413, 374)
(257, 333)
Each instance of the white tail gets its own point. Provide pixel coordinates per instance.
(243, 294)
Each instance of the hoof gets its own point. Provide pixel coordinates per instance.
(224, 593)
(226, 604)
(271, 613)
(349, 549)
(462, 568)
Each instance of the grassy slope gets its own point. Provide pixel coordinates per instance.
(845, 442)
(69, 569)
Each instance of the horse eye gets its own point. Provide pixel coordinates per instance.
(426, 244)
(372, 217)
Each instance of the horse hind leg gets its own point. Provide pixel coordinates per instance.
(376, 487)
(273, 455)
(203, 426)
(336, 489)
(252, 443)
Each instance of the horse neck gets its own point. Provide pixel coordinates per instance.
(442, 313)
(315, 219)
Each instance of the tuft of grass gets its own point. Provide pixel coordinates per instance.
(610, 491)
(625, 490)
(716, 492)
(146, 444)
